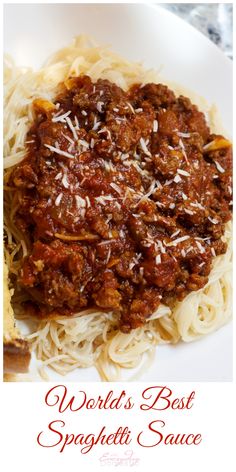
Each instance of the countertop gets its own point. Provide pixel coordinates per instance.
(215, 20)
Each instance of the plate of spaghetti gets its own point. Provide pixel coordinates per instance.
(117, 202)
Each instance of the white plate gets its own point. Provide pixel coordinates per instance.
(158, 38)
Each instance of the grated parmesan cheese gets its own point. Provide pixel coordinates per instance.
(178, 240)
(108, 255)
(76, 123)
(64, 181)
(61, 118)
(107, 241)
(213, 252)
(99, 106)
(130, 106)
(68, 138)
(177, 179)
(143, 145)
(58, 199)
(72, 128)
(219, 167)
(158, 259)
(84, 145)
(213, 220)
(189, 212)
(155, 126)
(58, 176)
(197, 205)
(80, 202)
(59, 151)
(183, 135)
(183, 172)
(181, 144)
(200, 247)
(96, 124)
(175, 233)
(116, 188)
(88, 201)
(103, 198)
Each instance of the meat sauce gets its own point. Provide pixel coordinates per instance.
(124, 198)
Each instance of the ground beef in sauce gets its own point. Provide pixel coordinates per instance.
(124, 198)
